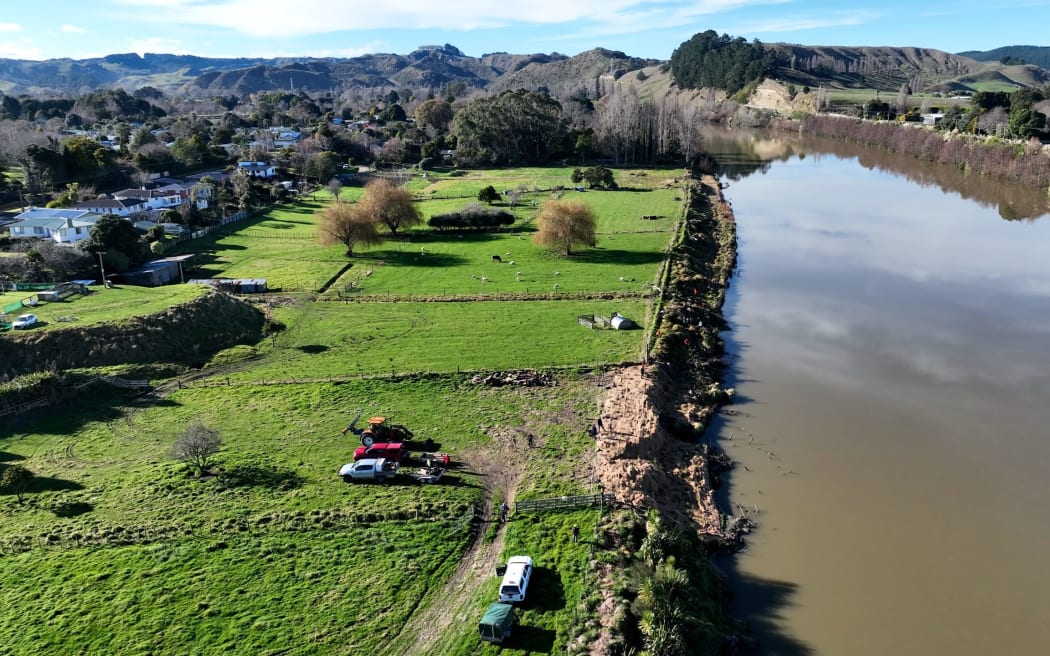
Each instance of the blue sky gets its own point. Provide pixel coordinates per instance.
(643, 28)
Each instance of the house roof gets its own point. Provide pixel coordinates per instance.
(52, 213)
(110, 204)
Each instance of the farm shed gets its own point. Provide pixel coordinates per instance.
(157, 272)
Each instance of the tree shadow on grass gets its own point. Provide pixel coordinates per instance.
(616, 256)
(531, 639)
(546, 591)
(10, 457)
(313, 349)
(269, 477)
(67, 509)
(413, 258)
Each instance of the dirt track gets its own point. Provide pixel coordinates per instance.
(458, 605)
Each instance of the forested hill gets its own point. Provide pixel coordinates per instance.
(1035, 55)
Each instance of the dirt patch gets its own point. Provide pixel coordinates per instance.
(642, 465)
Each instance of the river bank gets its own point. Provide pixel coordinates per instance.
(650, 454)
(649, 449)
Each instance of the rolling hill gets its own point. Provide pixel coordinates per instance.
(590, 73)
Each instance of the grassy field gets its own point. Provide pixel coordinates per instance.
(336, 340)
(103, 305)
(118, 549)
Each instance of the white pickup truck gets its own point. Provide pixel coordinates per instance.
(369, 469)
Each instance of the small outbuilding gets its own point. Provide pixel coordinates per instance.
(620, 322)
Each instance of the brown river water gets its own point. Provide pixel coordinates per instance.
(890, 346)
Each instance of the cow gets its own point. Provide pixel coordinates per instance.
(497, 258)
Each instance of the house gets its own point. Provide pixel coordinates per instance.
(258, 169)
(932, 118)
(118, 207)
(62, 226)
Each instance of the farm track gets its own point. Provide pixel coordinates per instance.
(455, 604)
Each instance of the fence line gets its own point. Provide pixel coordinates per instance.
(561, 503)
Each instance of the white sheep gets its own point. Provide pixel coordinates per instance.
(557, 273)
(484, 279)
(518, 274)
(555, 286)
(507, 253)
(474, 276)
(622, 279)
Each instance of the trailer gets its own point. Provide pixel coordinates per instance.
(428, 474)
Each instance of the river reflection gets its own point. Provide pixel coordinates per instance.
(888, 344)
(745, 152)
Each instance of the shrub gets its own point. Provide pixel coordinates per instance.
(472, 217)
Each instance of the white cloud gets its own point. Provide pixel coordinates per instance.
(10, 27)
(73, 29)
(279, 18)
(157, 44)
(21, 49)
(797, 24)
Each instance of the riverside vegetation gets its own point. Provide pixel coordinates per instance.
(118, 548)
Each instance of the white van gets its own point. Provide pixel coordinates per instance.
(515, 579)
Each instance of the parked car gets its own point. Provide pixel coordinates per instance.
(24, 321)
(395, 451)
(516, 580)
(369, 469)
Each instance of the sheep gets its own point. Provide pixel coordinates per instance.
(512, 262)
(622, 279)
(518, 274)
(555, 286)
(557, 273)
(484, 279)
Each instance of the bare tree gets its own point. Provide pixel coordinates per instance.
(349, 225)
(197, 445)
(335, 187)
(565, 224)
(389, 205)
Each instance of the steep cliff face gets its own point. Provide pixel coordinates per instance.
(182, 334)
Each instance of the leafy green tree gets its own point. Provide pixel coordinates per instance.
(708, 60)
(192, 152)
(565, 224)
(112, 233)
(322, 166)
(513, 127)
(435, 113)
(489, 195)
(17, 479)
(595, 177)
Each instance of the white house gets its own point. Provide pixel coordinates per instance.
(63, 226)
(122, 208)
(258, 169)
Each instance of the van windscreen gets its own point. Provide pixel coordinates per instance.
(509, 590)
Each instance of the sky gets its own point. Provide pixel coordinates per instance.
(48, 29)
